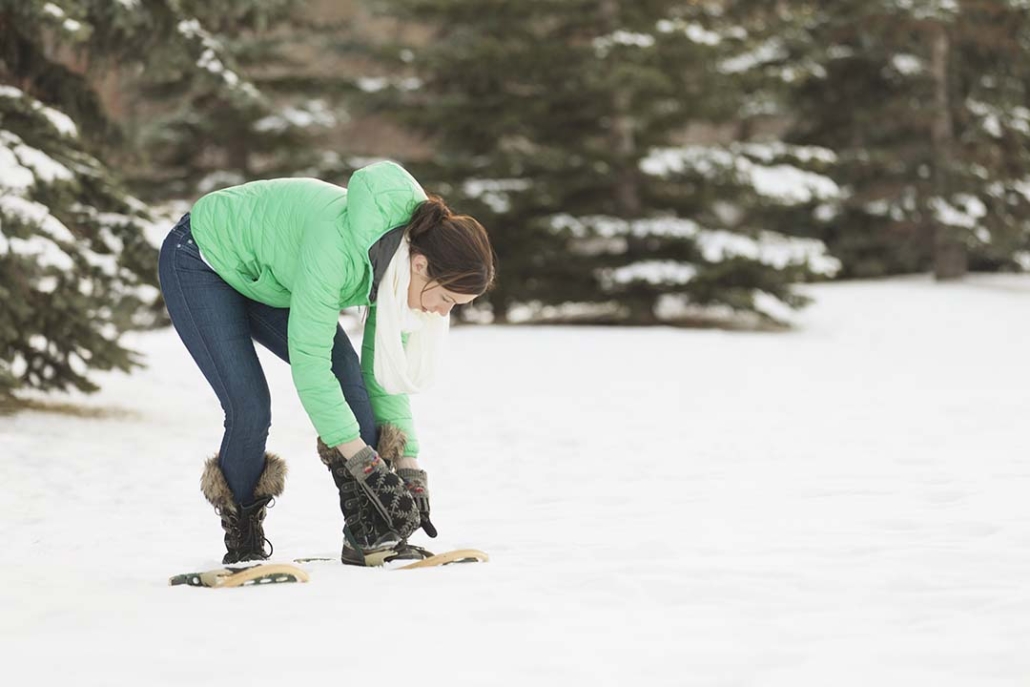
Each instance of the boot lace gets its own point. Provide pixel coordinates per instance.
(244, 531)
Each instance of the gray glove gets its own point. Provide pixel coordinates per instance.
(417, 482)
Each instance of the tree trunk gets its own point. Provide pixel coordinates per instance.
(950, 260)
(622, 134)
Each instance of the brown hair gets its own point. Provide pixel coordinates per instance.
(456, 247)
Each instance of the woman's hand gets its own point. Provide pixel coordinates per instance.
(406, 463)
(351, 448)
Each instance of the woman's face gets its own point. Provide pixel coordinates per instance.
(426, 295)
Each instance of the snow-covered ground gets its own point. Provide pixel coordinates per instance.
(846, 504)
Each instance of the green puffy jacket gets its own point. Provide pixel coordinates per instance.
(303, 244)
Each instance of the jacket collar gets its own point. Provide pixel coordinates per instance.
(380, 254)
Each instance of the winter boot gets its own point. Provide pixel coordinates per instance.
(244, 524)
(379, 513)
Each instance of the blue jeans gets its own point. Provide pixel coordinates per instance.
(219, 326)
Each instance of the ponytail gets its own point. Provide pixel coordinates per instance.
(456, 247)
(429, 214)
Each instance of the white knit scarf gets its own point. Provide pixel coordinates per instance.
(406, 369)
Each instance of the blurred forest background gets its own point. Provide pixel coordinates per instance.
(635, 161)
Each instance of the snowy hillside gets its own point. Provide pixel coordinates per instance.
(840, 505)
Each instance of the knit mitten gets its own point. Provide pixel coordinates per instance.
(386, 491)
(417, 482)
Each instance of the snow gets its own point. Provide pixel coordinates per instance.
(996, 120)
(190, 28)
(610, 227)
(649, 271)
(14, 176)
(375, 84)
(769, 248)
(992, 126)
(840, 52)
(966, 212)
(783, 182)
(694, 31)
(314, 113)
(536, 311)
(495, 192)
(60, 121)
(26, 164)
(844, 504)
(1022, 187)
(906, 64)
(791, 184)
(604, 44)
(41, 245)
(926, 9)
(771, 50)
(22, 167)
(209, 59)
(772, 150)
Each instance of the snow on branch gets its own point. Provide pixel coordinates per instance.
(769, 152)
(44, 244)
(768, 248)
(495, 192)
(697, 33)
(375, 84)
(59, 121)
(924, 9)
(22, 165)
(995, 120)
(67, 23)
(772, 50)
(536, 311)
(604, 44)
(211, 57)
(314, 113)
(654, 272)
(907, 65)
(963, 211)
(1022, 186)
(783, 182)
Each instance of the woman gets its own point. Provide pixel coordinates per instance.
(275, 262)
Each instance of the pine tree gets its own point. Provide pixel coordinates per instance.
(925, 105)
(226, 101)
(76, 270)
(558, 123)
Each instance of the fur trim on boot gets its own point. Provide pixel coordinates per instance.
(392, 441)
(214, 487)
(216, 490)
(273, 478)
(328, 455)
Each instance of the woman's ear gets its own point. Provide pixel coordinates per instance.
(419, 264)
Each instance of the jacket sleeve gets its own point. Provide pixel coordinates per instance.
(314, 317)
(392, 409)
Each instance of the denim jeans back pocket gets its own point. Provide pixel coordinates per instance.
(188, 245)
(180, 242)
(183, 233)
